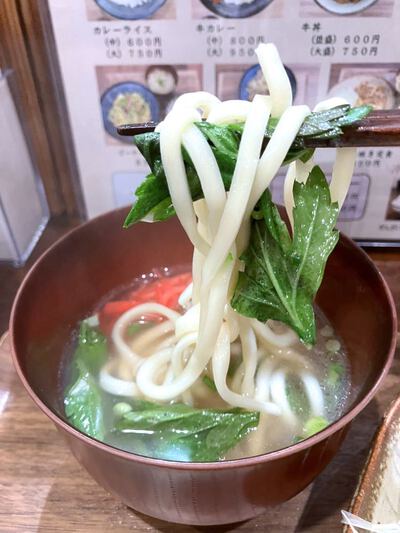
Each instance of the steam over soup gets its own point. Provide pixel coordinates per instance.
(232, 358)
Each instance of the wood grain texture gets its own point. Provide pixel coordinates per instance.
(14, 55)
(43, 489)
(38, 33)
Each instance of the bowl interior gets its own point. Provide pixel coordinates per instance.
(70, 279)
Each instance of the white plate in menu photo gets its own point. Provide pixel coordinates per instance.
(345, 7)
(236, 8)
(365, 89)
(130, 9)
(127, 103)
(395, 204)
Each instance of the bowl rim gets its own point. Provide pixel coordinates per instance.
(221, 465)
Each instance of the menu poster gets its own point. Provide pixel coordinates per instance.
(128, 61)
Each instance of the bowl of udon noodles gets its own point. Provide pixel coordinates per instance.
(206, 363)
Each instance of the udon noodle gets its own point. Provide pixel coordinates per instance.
(203, 338)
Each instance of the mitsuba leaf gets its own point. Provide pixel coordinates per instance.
(314, 425)
(153, 200)
(335, 373)
(92, 347)
(152, 192)
(209, 383)
(82, 401)
(297, 398)
(180, 432)
(82, 404)
(353, 115)
(152, 196)
(282, 274)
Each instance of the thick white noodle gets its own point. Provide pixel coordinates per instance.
(271, 383)
(117, 335)
(208, 172)
(329, 103)
(233, 320)
(220, 369)
(278, 392)
(114, 385)
(343, 167)
(288, 199)
(236, 382)
(171, 154)
(242, 181)
(210, 332)
(314, 393)
(265, 333)
(270, 162)
(263, 380)
(276, 77)
(186, 296)
(203, 350)
(201, 100)
(279, 396)
(276, 150)
(250, 357)
(229, 112)
(148, 372)
(297, 171)
(177, 361)
(342, 173)
(201, 211)
(150, 336)
(197, 268)
(189, 322)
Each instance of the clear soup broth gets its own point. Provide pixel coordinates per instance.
(310, 384)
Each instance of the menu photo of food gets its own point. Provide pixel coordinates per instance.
(130, 9)
(237, 9)
(360, 8)
(244, 81)
(393, 206)
(135, 94)
(376, 84)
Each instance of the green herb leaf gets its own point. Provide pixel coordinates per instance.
(121, 408)
(134, 328)
(209, 382)
(149, 194)
(222, 138)
(314, 425)
(180, 432)
(152, 196)
(353, 115)
(297, 398)
(82, 401)
(91, 349)
(282, 275)
(82, 404)
(335, 373)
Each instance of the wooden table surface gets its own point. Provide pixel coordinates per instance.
(43, 488)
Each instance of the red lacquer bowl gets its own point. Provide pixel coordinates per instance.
(73, 275)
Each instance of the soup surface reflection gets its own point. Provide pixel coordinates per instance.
(311, 385)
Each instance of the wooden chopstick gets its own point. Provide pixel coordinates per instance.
(379, 128)
(128, 130)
